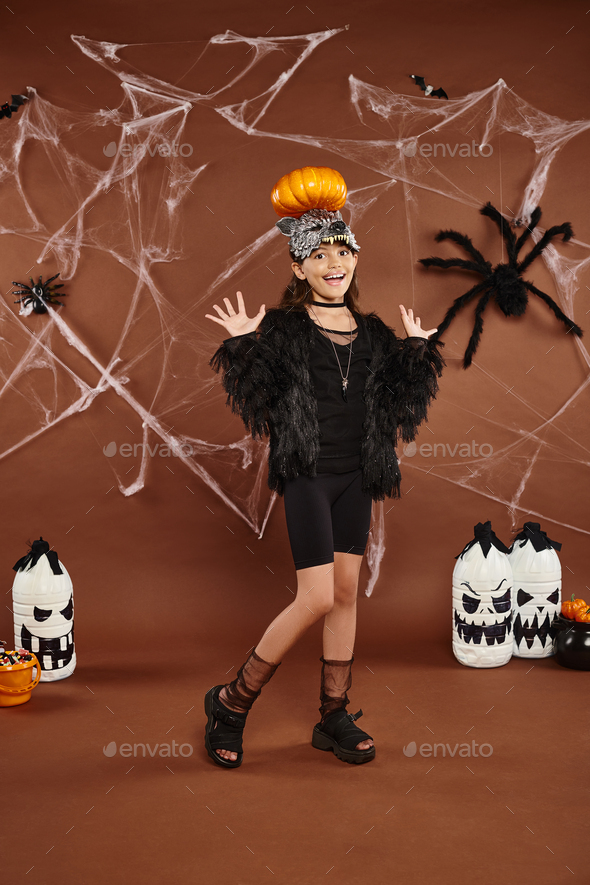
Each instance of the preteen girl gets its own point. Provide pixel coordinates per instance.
(334, 389)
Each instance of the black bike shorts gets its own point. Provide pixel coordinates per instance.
(326, 513)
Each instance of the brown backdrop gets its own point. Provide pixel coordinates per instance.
(172, 585)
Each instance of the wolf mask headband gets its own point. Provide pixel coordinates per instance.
(311, 198)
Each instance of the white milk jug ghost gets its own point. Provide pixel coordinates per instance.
(43, 606)
(482, 601)
(537, 591)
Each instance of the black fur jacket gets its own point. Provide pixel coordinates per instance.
(268, 383)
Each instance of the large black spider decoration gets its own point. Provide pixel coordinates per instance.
(38, 295)
(504, 282)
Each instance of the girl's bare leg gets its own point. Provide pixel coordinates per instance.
(340, 621)
(318, 588)
(314, 599)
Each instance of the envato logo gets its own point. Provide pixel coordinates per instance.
(464, 450)
(140, 150)
(428, 750)
(136, 750)
(126, 450)
(434, 150)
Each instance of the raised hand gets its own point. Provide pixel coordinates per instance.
(237, 323)
(413, 327)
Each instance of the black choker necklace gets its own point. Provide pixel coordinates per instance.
(325, 304)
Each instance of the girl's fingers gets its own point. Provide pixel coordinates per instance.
(215, 320)
(230, 309)
(409, 316)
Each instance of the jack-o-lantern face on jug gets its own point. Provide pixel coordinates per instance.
(43, 606)
(537, 591)
(478, 622)
(482, 602)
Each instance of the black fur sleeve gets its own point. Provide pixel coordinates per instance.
(252, 375)
(420, 365)
(409, 371)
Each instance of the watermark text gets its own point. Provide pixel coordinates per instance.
(143, 750)
(461, 450)
(140, 150)
(127, 450)
(428, 750)
(465, 149)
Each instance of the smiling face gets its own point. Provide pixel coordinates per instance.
(328, 271)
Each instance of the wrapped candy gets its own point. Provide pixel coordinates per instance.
(15, 656)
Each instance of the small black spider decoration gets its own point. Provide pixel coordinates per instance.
(504, 282)
(38, 295)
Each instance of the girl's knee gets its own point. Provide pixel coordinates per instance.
(346, 578)
(318, 601)
(345, 595)
(316, 589)
(324, 604)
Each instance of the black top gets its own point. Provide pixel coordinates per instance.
(340, 422)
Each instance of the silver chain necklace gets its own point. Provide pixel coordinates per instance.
(343, 377)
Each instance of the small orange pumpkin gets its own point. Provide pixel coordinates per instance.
(583, 616)
(312, 187)
(571, 607)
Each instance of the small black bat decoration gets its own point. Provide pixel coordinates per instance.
(421, 82)
(11, 107)
(503, 282)
(38, 295)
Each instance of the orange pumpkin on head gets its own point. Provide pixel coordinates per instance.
(312, 187)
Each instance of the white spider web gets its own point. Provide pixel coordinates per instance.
(133, 214)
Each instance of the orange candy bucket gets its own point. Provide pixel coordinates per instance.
(16, 681)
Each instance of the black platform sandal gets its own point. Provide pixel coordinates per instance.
(339, 734)
(223, 730)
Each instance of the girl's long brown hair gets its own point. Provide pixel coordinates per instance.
(298, 293)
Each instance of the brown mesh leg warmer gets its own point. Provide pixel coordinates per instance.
(336, 680)
(252, 676)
